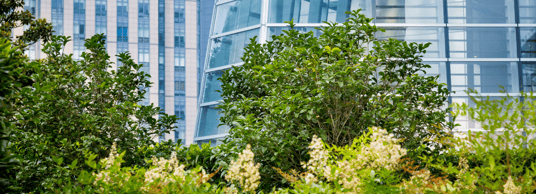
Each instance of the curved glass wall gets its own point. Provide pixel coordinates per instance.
(476, 44)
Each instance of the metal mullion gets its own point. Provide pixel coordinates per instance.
(235, 31)
(205, 104)
(210, 137)
(224, 67)
(223, 2)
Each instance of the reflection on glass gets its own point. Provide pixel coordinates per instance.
(419, 35)
(482, 42)
(484, 77)
(480, 11)
(406, 11)
(237, 14)
(229, 49)
(211, 85)
(436, 68)
(527, 11)
(527, 37)
(279, 30)
(209, 121)
(313, 11)
(529, 76)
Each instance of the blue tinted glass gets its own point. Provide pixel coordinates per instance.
(403, 11)
(482, 42)
(237, 14)
(529, 76)
(313, 11)
(279, 30)
(211, 85)
(528, 42)
(484, 77)
(527, 11)
(480, 11)
(228, 49)
(436, 68)
(209, 121)
(57, 16)
(434, 35)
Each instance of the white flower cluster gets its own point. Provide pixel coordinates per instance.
(108, 163)
(382, 152)
(245, 171)
(318, 161)
(510, 187)
(169, 171)
(163, 168)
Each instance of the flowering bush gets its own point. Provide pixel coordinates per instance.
(163, 176)
(368, 164)
(244, 171)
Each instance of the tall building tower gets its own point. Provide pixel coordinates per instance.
(476, 44)
(160, 34)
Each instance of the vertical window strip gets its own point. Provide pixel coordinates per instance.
(122, 27)
(143, 41)
(100, 17)
(79, 25)
(57, 16)
(179, 63)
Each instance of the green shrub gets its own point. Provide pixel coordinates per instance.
(74, 108)
(333, 86)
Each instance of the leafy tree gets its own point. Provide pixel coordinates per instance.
(13, 15)
(77, 108)
(12, 79)
(334, 86)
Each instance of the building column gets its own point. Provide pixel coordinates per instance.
(191, 68)
(111, 31)
(153, 52)
(68, 24)
(169, 64)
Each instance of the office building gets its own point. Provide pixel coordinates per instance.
(476, 44)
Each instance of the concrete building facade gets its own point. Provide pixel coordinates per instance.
(476, 44)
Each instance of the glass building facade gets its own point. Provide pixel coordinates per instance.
(476, 44)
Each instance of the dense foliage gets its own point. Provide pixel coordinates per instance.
(341, 113)
(75, 108)
(333, 86)
(13, 74)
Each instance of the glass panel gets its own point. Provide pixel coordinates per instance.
(482, 43)
(480, 11)
(528, 42)
(314, 11)
(403, 11)
(484, 77)
(279, 30)
(237, 14)
(228, 49)
(211, 85)
(529, 76)
(419, 35)
(209, 121)
(527, 11)
(436, 68)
